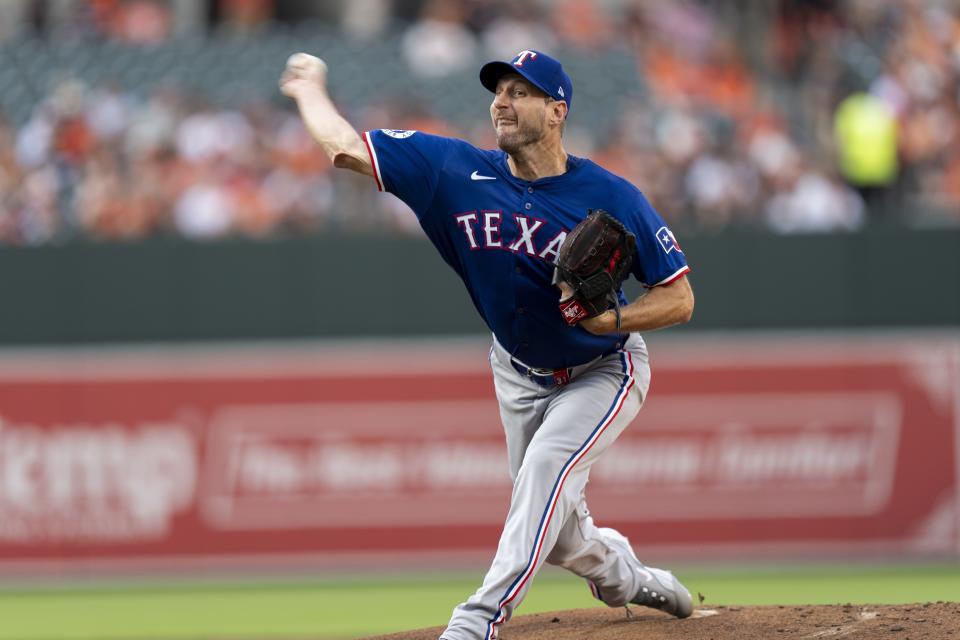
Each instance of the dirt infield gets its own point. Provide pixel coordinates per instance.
(927, 621)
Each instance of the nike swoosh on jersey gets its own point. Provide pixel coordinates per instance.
(477, 176)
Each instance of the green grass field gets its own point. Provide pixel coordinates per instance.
(359, 606)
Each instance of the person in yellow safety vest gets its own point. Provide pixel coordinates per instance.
(866, 135)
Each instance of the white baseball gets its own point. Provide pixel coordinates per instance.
(306, 64)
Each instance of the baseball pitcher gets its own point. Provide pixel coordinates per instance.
(542, 240)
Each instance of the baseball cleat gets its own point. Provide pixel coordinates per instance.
(663, 591)
(659, 589)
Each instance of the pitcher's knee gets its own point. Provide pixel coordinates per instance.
(539, 469)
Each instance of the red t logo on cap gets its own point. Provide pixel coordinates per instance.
(523, 56)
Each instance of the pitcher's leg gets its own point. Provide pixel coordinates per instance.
(522, 404)
(606, 560)
(586, 550)
(582, 420)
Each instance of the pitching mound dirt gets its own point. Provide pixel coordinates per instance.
(928, 621)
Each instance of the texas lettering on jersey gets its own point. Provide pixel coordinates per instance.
(482, 231)
(468, 202)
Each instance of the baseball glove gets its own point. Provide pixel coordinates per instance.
(594, 260)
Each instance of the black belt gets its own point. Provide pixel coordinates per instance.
(543, 377)
(553, 377)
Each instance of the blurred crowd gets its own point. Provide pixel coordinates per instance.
(844, 113)
(103, 164)
(793, 116)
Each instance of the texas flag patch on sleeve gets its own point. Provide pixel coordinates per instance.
(667, 242)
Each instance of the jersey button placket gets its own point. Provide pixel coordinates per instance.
(518, 323)
(519, 311)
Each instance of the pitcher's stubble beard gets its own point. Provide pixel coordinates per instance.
(521, 135)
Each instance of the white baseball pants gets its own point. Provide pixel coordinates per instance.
(554, 435)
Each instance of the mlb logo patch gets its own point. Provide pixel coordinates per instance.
(667, 241)
(399, 134)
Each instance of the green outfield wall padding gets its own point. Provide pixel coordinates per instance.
(333, 285)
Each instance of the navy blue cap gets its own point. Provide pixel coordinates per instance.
(541, 70)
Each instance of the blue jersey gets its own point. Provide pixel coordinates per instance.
(501, 234)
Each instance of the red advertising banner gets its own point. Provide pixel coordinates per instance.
(380, 454)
